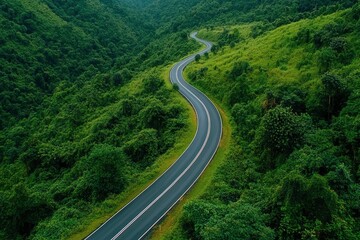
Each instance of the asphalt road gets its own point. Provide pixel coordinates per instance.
(136, 219)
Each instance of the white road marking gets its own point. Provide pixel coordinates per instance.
(185, 170)
(185, 62)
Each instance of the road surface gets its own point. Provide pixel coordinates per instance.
(136, 219)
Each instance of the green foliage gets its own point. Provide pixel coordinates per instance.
(326, 59)
(76, 112)
(191, 14)
(304, 36)
(249, 222)
(197, 58)
(229, 38)
(240, 92)
(248, 117)
(21, 207)
(152, 84)
(44, 35)
(281, 130)
(336, 94)
(122, 76)
(218, 222)
(81, 114)
(240, 68)
(199, 74)
(144, 147)
(175, 87)
(307, 206)
(294, 162)
(348, 124)
(104, 173)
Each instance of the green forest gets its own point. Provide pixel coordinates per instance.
(87, 114)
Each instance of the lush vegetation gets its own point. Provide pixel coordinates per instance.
(292, 171)
(177, 15)
(83, 103)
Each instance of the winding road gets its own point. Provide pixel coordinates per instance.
(137, 218)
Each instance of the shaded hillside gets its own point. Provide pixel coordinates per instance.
(176, 15)
(79, 121)
(46, 42)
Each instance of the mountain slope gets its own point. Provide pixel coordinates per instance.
(79, 120)
(45, 42)
(175, 15)
(293, 169)
(84, 113)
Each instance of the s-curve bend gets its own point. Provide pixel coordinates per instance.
(138, 217)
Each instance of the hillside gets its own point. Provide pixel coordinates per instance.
(82, 106)
(88, 119)
(176, 15)
(292, 171)
(44, 43)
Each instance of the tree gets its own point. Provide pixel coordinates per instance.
(126, 75)
(196, 215)
(128, 106)
(143, 148)
(336, 93)
(310, 208)
(152, 84)
(197, 57)
(326, 58)
(344, 51)
(303, 36)
(348, 124)
(240, 68)
(281, 130)
(154, 115)
(203, 220)
(240, 92)
(22, 209)
(104, 175)
(214, 48)
(175, 87)
(241, 221)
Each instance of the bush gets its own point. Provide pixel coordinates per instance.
(240, 68)
(143, 148)
(326, 59)
(152, 84)
(197, 57)
(104, 175)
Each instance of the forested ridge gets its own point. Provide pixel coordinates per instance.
(85, 111)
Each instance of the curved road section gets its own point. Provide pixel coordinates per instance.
(137, 218)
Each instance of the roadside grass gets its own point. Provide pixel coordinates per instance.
(142, 180)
